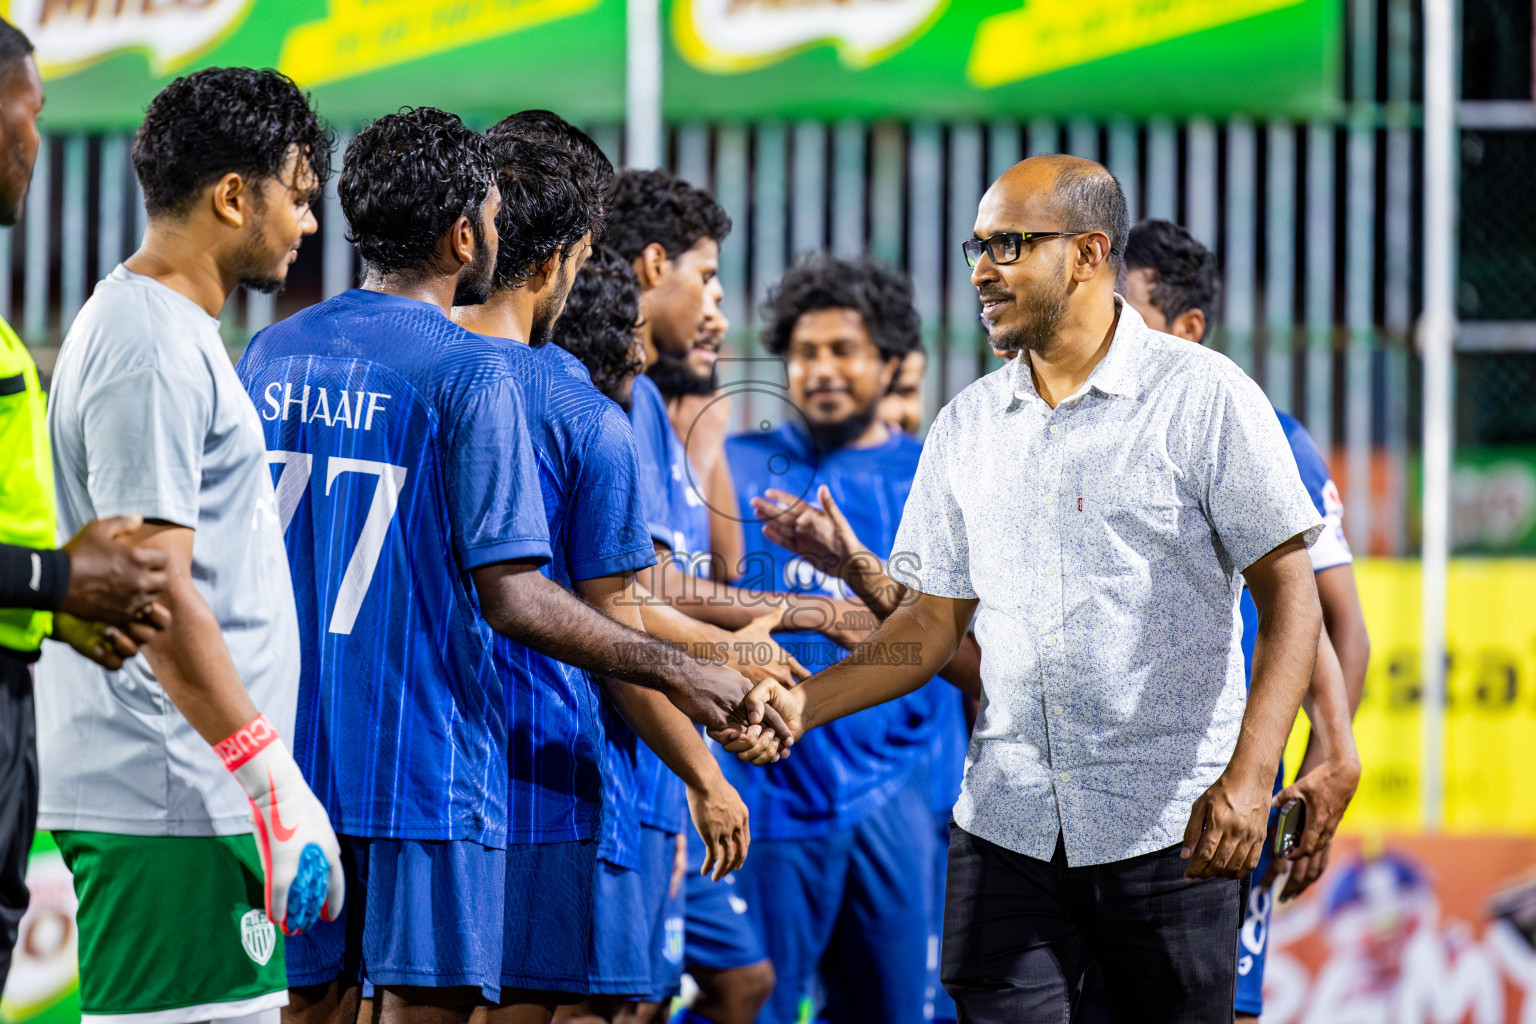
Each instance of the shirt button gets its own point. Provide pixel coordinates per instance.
(1050, 641)
(1055, 430)
(1050, 570)
(1066, 776)
(1056, 710)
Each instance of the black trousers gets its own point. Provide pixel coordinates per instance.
(1020, 934)
(18, 797)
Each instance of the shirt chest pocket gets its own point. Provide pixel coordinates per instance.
(1127, 524)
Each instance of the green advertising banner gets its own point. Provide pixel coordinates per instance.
(724, 59)
(103, 60)
(1001, 58)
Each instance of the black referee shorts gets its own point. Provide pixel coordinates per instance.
(1020, 934)
(18, 796)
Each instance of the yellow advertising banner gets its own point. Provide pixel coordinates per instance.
(1490, 700)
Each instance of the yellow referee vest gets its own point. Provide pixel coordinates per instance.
(27, 511)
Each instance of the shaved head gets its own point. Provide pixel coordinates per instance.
(1069, 220)
(1078, 195)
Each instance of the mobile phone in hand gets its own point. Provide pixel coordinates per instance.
(1293, 820)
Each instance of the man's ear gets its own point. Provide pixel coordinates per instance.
(1092, 256)
(231, 200)
(1189, 325)
(888, 374)
(458, 245)
(651, 266)
(547, 271)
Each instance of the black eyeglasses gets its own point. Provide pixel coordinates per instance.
(1005, 247)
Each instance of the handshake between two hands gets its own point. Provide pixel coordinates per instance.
(764, 725)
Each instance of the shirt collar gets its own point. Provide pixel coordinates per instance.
(1116, 373)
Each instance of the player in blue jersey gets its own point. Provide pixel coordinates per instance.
(842, 871)
(1171, 280)
(600, 537)
(721, 947)
(415, 526)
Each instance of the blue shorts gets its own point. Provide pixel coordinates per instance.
(637, 935)
(1253, 941)
(719, 935)
(857, 904)
(546, 935)
(417, 913)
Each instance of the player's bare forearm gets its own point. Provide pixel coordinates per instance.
(700, 597)
(188, 656)
(1284, 656)
(909, 648)
(1345, 621)
(521, 603)
(667, 732)
(1327, 705)
(661, 619)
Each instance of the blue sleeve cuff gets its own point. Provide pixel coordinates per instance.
(536, 550)
(612, 565)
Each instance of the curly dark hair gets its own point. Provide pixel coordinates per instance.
(549, 128)
(1184, 271)
(220, 120)
(823, 281)
(656, 206)
(15, 47)
(547, 206)
(406, 179)
(598, 325)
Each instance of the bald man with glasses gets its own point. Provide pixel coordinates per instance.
(1094, 506)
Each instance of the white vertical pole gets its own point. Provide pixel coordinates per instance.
(1280, 270)
(1044, 136)
(1123, 161)
(1083, 139)
(1240, 252)
(925, 224)
(848, 191)
(731, 177)
(113, 204)
(808, 199)
(1002, 151)
(1437, 329)
(1318, 415)
(1360, 278)
(769, 204)
(1200, 198)
(693, 155)
(642, 80)
(36, 224)
(1162, 170)
(885, 198)
(336, 274)
(962, 334)
(73, 230)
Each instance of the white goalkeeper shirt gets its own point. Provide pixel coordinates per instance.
(1104, 540)
(147, 417)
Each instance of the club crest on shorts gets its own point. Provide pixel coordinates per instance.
(258, 935)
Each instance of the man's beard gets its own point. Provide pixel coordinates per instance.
(253, 263)
(542, 331)
(675, 378)
(474, 286)
(1044, 311)
(831, 437)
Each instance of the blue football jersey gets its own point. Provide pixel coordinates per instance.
(847, 769)
(679, 520)
(586, 455)
(402, 461)
(1331, 548)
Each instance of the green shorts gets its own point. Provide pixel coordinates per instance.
(172, 929)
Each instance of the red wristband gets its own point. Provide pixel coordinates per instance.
(246, 742)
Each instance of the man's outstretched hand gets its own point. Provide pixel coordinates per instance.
(821, 536)
(770, 701)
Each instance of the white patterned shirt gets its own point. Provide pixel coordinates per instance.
(1105, 541)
